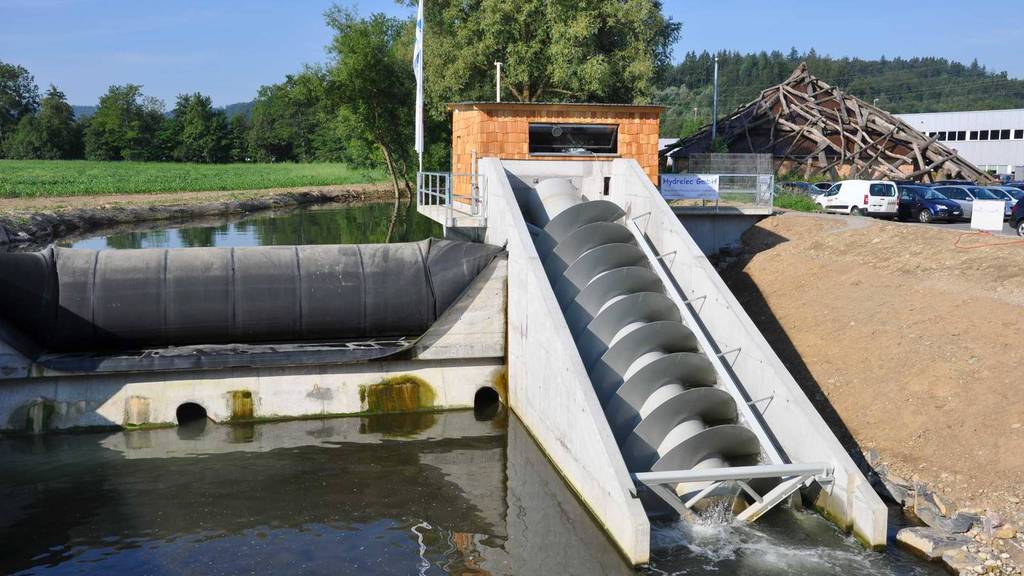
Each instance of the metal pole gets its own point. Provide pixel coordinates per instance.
(714, 106)
(497, 87)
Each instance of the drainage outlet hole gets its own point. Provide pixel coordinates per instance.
(486, 403)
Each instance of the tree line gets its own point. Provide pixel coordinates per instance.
(901, 85)
(358, 106)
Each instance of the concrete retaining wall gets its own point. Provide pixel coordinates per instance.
(548, 386)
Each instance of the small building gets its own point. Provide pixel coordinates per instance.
(991, 139)
(554, 131)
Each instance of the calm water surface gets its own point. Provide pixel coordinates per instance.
(413, 494)
(326, 224)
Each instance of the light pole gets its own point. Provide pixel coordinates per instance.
(714, 106)
(497, 86)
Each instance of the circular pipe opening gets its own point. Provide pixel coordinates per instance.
(486, 403)
(190, 412)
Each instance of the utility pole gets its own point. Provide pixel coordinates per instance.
(714, 106)
(497, 87)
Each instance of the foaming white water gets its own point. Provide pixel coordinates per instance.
(802, 545)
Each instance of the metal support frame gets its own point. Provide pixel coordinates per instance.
(792, 476)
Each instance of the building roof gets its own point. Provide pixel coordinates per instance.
(819, 128)
(555, 106)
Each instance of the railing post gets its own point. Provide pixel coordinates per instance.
(449, 212)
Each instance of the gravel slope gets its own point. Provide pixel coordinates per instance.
(905, 340)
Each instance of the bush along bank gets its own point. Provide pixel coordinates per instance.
(968, 541)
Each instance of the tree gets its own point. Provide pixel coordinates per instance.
(51, 134)
(589, 50)
(199, 133)
(125, 126)
(19, 97)
(288, 119)
(372, 86)
(238, 138)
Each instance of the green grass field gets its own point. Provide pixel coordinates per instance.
(60, 178)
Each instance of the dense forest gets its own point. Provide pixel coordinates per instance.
(900, 85)
(357, 106)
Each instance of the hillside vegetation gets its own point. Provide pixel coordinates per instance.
(901, 85)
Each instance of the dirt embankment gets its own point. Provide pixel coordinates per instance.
(42, 219)
(909, 343)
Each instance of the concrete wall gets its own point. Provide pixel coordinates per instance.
(549, 389)
(461, 353)
(801, 433)
(715, 230)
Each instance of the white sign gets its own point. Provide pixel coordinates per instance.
(988, 215)
(689, 186)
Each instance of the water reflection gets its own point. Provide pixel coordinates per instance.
(375, 222)
(441, 493)
(332, 496)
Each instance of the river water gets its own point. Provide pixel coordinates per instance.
(329, 224)
(424, 493)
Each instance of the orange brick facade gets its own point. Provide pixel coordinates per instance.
(501, 129)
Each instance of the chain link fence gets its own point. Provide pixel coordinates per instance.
(743, 179)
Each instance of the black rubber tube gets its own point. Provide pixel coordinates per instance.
(82, 300)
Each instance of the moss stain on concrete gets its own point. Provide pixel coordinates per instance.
(241, 405)
(500, 383)
(401, 393)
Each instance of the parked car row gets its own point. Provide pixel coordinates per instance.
(949, 201)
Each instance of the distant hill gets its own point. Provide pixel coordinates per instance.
(233, 110)
(900, 85)
(83, 111)
(230, 110)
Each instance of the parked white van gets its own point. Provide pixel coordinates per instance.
(863, 197)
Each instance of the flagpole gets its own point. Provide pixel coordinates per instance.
(417, 68)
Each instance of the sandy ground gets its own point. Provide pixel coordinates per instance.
(168, 198)
(905, 340)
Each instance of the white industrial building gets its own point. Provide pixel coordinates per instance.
(992, 140)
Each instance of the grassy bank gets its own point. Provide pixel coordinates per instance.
(61, 178)
(799, 202)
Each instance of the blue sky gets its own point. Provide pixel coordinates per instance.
(228, 49)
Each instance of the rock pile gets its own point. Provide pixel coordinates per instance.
(968, 541)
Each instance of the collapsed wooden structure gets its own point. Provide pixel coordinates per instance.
(813, 128)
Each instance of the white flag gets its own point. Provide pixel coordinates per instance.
(417, 68)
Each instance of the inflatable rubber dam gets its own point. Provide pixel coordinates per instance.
(69, 300)
(148, 337)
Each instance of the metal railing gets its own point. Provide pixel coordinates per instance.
(464, 194)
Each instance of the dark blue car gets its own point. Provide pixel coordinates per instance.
(924, 204)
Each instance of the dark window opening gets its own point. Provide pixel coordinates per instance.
(190, 412)
(961, 135)
(486, 403)
(1004, 135)
(1018, 134)
(974, 134)
(983, 135)
(942, 136)
(574, 139)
